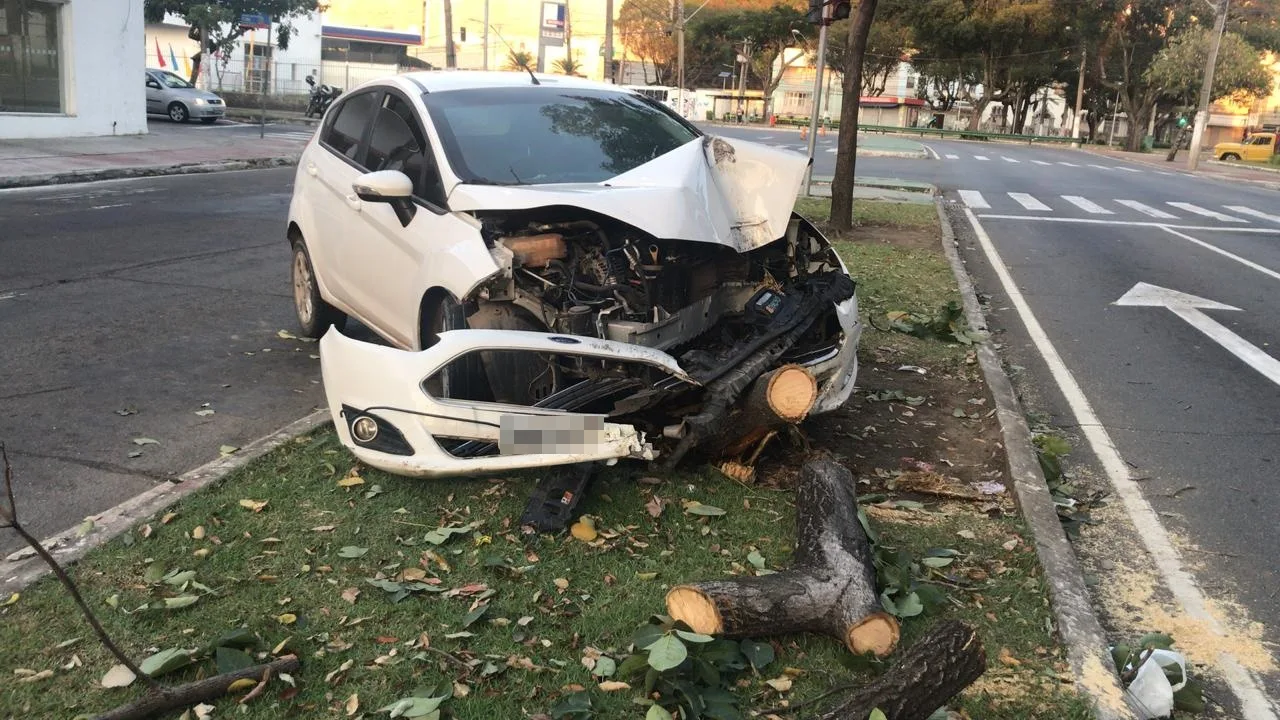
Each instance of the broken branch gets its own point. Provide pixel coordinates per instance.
(167, 699)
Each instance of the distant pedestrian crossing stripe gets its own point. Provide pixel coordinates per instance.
(1009, 159)
(1087, 205)
(1041, 162)
(981, 157)
(953, 157)
(1071, 204)
(1127, 169)
(1207, 213)
(1147, 209)
(1102, 167)
(1068, 164)
(1029, 202)
(1253, 213)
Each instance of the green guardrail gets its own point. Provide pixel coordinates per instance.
(964, 134)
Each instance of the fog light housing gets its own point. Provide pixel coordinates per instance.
(364, 429)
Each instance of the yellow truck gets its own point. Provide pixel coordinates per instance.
(1257, 147)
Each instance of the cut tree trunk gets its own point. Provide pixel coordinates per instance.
(830, 587)
(931, 672)
(778, 398)
(169, 699)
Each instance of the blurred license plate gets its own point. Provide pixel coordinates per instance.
(549, 434)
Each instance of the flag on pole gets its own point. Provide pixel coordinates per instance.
(159, 55)
(173, 59)
(186, 64)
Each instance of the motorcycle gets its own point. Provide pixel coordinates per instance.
(322, 96)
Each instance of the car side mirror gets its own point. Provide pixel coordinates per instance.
(388, 186)
(153, 84)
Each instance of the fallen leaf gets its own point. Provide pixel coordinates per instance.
(350, 595)
(323, 528)
(1007, 658)
(613, 685)
(351, 480)
(693, 507)
(42, 675)
(286, 335)
(198, 532)
(146, 531)
(241, 684)
(413, 574)
(135, 453)
(203, 711)
(561, 583)
(145, 441)
(287, 619)
(168, 518)
(967, 534)
(118, 676)
(1010, 545)
(12, 599)
(646, 575)
(125, 412)
(205, 412)
(352, 551)
(655, 506)
(227, 449)
(781, 684)
(254, 505)
(584, 529)
(353, 702)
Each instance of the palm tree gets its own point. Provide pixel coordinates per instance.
(567, 66)
(519, 60)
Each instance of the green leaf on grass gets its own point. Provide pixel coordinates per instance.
(229, 659)
(646, 635)
(180, 578)
(576, 706)
(165, 661)
(910, 606)
(668, 652)
(175, 603)
(759, 654)
(1160, 641)
(352, 551)
(696, 508)
(605, 667)
(414, 707)
(1190, 698)
(877, 714)
(657, 712)
(475, 615)
(240, 638)
(694, 637)
(632, 666)
(756, 559)
(145, 441)
(153, 574)
(440, 535)
(936, 562)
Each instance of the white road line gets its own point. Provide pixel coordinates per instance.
(1126, 168)
(766, 137)
(1041, 162)
(1229, 255)
(1162, 172)
(953, 157)
(104, 207)
(832, 149)
(981, 157)
(1147, 210)
(1207, 213)
(1029, 202)
(1255, 213)
(1167, 561)
(1102, 167)
(1009, 159)
(1134, 223)
(974, 199)
(1068, 164)
(932, 153)
(1087, 205)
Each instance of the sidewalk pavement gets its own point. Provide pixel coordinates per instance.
(182, 149)
(286, 117)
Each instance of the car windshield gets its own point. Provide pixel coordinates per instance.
(542, 135)
(168, 79)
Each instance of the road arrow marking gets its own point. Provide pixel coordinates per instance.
(1191, 309)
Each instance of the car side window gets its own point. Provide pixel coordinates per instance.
(346, 131)
(398, 143)
(1262, 141)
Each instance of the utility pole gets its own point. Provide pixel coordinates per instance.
(607, 75)
(821, 65)
(1075, 121)
(680, 57)
(568, 38)
(486, 34)
(450, 58)
(1206, 89)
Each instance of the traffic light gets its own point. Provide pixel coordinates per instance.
(1182, 121)
(840, 10)
(815, 14)
(462, 33)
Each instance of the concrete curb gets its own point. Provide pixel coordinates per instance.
(97, 174)
(68, 547)
(253, 117)
(1272, 170)
(1078, 626)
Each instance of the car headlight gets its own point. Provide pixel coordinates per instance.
(200, 101)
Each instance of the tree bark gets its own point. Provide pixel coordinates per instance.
(830, 587)
(169, 699)
(928, 674)
(847, 143)
(778, 398)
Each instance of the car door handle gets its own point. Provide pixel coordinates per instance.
(312, 170)
(354, 202)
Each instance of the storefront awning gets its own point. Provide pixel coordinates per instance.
(338, 32)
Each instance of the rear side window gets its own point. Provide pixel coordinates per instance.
(347, 129)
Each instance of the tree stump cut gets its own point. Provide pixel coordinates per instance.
(776, 399)
(830, 588)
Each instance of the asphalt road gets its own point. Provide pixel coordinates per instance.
(125, 308)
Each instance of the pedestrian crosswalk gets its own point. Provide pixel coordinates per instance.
(294, 135)
(956, 157)
(1117, 208)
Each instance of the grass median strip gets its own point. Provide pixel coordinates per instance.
(386, 585)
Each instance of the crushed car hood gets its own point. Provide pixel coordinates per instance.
(732, 192)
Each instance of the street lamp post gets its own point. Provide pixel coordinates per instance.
(1075, 120)
(1115, 109)
(820, 66)
(1206, 89)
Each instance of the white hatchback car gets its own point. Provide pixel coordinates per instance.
(567, 272)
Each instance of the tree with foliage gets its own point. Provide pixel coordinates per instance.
(645, 29)
(710, 47)
(887, 47)
(519, 60)
(770, 33)
(222, 18)
(1179, 68)
(568, 66)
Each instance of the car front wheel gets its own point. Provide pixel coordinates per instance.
(1229, 156)
(315, 316)
(178, 112)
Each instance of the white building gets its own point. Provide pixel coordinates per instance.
(71, 68)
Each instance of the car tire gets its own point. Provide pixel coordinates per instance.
(209, 121)
(315, 316)
(464, 378)
(1229, 156)
(178, 112)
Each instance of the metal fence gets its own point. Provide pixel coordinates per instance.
(290, 78)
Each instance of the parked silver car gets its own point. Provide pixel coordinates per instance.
(171, 94)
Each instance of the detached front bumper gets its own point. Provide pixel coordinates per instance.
(387, 385)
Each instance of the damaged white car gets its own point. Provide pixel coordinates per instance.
(566, 272)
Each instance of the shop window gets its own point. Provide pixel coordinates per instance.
(30, 57)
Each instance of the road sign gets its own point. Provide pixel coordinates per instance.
(256, 21)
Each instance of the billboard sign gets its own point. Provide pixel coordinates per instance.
(551, 28)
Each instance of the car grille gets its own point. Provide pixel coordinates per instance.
(215, 101)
